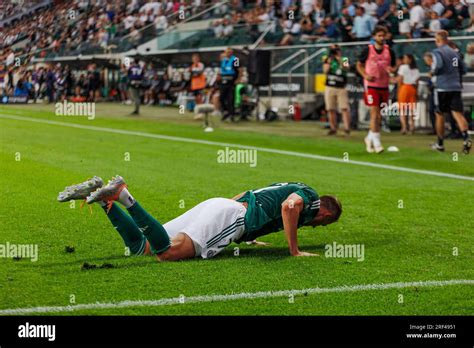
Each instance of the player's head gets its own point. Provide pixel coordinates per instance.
(409, 59)
(379, 34)
(329, 211)
(441, 38)
(195, 58)
(428, 58)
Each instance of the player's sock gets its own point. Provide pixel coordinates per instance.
(465, 135)
(370, 135)
(440, 141)
(127, 228)
(376, 139)
(152, 229)
(126, 198)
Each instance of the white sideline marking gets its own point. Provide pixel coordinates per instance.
(230, 297)
(216, 143)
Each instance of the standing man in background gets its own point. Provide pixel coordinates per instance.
(198, 79)
(3, 74)
(375, 64)
(448, 68)
(228, 74)
(335, 93)
(135, 77)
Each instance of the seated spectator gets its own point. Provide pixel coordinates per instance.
(436, 6)
(448, 19)
(345, 25)
(417, 18)
(435, 24)
(383, 9)
(292, 30)
(391, 19)
(161, 22)
(307, 7)
(363, 25)
(331, 30)
(469, 57)
(319, 12)
(369, 7)
(461, 12)
(403, 16)
(350, 7)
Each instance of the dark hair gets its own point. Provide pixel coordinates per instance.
(412, 61)
(380, 28)
(332, 204)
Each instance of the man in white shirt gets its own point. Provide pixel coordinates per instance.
(417, 18)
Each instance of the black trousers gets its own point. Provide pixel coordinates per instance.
(227, 92)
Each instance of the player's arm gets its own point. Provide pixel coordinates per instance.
(290, 213)
(360, 65)
(238, 196)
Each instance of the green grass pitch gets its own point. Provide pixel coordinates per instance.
(412, 243)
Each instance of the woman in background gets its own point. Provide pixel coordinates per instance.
(408, 76)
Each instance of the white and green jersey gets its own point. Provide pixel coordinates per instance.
(263, 214)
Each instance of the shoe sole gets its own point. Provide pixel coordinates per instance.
(74, 192)
(108, 196)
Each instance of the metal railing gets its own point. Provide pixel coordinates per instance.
(306, 72)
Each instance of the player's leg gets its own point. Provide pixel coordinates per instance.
(440, 107)
(131, 234)
(463, 127)
(380, 100)
(116, 190)
(457, 112)
(125, 226)
(343, 101)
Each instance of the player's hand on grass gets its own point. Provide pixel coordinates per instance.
(304, 253)
(258, 243)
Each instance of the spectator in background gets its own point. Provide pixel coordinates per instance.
(403, 15)
(435, 24)
(350, 7)
(428, 59)
(461, 12)
(417, 19)
(363, 25)
(369, 6)
(198, 79)
(408, 76)
(161, 22)
(383, 9)
(448, 19)
(336, 7)
(391, 19)
(469, 57)
(135, 78)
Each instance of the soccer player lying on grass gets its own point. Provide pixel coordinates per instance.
(210, 226)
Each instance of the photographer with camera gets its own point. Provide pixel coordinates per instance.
(335, 94)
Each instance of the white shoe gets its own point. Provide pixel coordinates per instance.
(379, 149)
(368, 144)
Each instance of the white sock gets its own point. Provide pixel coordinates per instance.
(370, 135)
(376, 139)
(126, 198)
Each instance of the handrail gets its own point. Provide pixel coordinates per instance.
(305, 62)
(265, 32)
(286, 60)
(359, 43)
